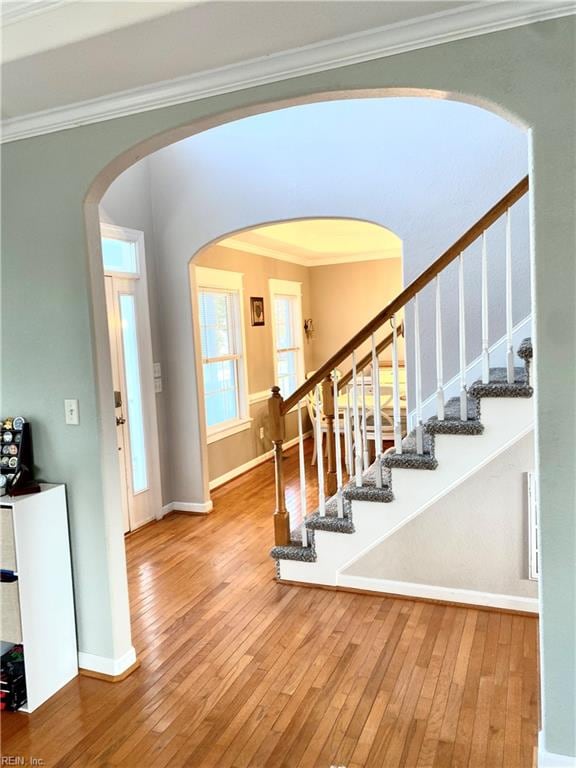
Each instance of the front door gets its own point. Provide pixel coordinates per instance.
(135, 412)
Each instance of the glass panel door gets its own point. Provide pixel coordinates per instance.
(133, 393)
(132, 374)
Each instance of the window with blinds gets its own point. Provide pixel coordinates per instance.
(221, 336)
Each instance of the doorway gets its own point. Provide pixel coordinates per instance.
(132, 374)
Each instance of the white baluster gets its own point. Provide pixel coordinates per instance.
(396, 388)
(357, 434)
(338, 447)
(377, 412)
(485, 335)
(509, 341)
(303, 505)
(418, 377)
(462, 339)
(363, 423)
(348, 435)
(320, 453)
(439, 354)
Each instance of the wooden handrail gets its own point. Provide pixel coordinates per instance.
(361, 364)
(409, 292)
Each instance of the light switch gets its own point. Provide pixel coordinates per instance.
(72, 412)
(157, 385)
(157, 370)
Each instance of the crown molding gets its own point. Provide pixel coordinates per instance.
(237, 244)
(426, 31)
(10, 14)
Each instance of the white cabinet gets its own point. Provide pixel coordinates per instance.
(38, 608)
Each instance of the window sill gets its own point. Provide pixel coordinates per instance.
(221, 433)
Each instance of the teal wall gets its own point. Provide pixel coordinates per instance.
(48, 343)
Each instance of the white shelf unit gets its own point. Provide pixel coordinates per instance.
(38, 608)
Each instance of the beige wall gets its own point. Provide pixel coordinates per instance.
(231, 452)
(344, 297)
(257, 271)
(339, 298)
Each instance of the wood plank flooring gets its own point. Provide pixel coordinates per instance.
(239, 671)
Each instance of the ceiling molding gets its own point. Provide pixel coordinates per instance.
(426, 31)
(238, 244)
(11, 13)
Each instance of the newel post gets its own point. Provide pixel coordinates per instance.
(328, 408)
(281, 519)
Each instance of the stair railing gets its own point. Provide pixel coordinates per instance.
(329, 388)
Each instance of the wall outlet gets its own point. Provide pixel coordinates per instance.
(157, 385)
(72, 412)
(261, 433)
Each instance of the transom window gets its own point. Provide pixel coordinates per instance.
(119, 254)
(287, 333)
(221, 340)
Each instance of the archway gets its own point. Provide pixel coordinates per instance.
(307, 268)
(224, 175)
(47, 177)
(184, 320)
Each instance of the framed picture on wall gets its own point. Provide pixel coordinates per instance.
(257, 310)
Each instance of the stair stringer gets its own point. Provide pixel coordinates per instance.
(506, 420)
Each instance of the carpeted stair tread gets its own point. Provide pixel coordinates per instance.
(330, 521)
(409, 458)
(452, 424)
(498, 385)
(410, 461)
(294, 552)
(369, 491)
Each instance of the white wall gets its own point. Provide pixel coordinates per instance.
(425, 169)
(475, 538)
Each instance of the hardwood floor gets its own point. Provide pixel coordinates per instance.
(239, 671)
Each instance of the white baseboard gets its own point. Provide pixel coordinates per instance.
(205, 507)
(237, 471)
(551, 759)
(448, 594)
(199, 508)
(105, 665)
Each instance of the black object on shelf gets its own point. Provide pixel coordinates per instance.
(16, 458)
(8, 576)
(12, 679)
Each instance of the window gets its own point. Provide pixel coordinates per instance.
(120, 250)
(286, 301)
(220, 321)
(133, 392)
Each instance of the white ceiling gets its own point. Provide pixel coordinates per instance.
(317, 242)
(72, 62)
(76, 51)
(46, 24)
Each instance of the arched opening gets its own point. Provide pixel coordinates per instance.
(192, 195)
(281, 284)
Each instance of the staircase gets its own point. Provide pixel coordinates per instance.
(467, 432)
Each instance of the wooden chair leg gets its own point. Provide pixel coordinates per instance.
(371, 451)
